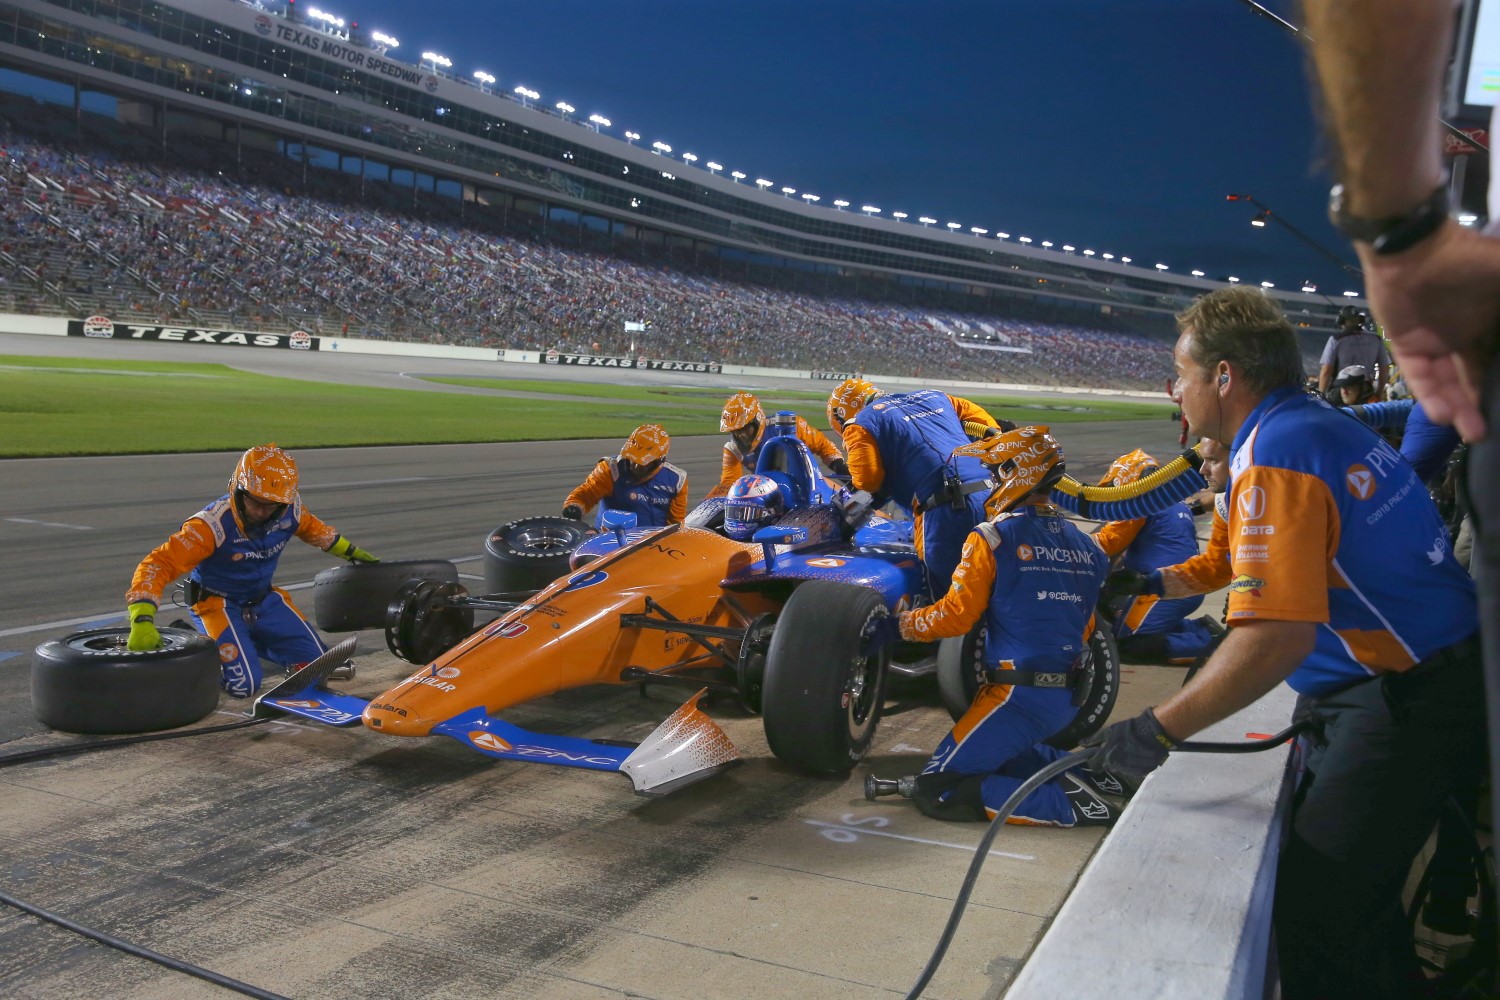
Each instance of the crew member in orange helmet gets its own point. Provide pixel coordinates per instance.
(231, 549)
(744, 420)
(639, 480)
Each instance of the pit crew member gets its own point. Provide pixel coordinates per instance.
(1149, 626)
(744, 420)
(903, 447)
(230, 549)
(1350, 594)
(639, 480)
(1033, 578)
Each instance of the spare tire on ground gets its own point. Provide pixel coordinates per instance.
(524, 555)
(354, 596)
(88, 682)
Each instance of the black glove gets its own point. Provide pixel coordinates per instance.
(1129, 583)
(884, 632)
(573, 512)
(1130, 750)
(838, 467)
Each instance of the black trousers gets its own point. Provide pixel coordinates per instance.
(1484, 502)
(1391, 751)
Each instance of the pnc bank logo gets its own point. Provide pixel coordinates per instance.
(1025, 553)
(489, 741)
(1361, 481)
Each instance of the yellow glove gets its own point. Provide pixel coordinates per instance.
(345, 549)
(143, 633)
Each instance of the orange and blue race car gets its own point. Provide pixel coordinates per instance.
(777, 620)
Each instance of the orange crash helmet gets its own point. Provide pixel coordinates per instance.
(1128, 468)
(1024, 461)
(643, 453)
(266, 473)
(743, 418)
(845, 402)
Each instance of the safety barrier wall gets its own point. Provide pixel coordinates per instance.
(1176, 903)
(101, 328)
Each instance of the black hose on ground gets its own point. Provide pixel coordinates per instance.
(177, 965)
(86, 747)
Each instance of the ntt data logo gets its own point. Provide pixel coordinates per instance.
(1252, 503)
(1361, 481)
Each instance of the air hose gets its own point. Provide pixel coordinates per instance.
(1172, 483)
(1075, 759)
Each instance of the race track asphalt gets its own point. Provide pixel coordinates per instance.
(315, 862)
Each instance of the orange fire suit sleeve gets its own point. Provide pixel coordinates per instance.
(1205, 572)
(1116, 536)
(971, 412)
(958, 610)
(730, 469)
(678, 509)
(189, 546)
(315, 531)
(866, 472)
(817, 442)
(598, 485)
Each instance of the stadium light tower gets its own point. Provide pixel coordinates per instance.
(1025, 239)
(599, 121)
(1124, 260)
(1088, 253)
(713, 167)
(738, 175)
(486, 81)
(631, 137)
(954, 227)
(384, 41)
(1161, 267)
(439, 62)
(1266, 284)
(689, 158)
(898, 216)
(1197, 273)
(1351, 295)
(566, 109)
(1047, 243)
(1309, 287)
(660, 147)
(1002, 236)
(869, 209)
(1265, 215)
(978, 232)
(762, 183)
(840, 204)
(811, 198)
(1068, 249)
(927, 220)
(1232, 280)
(324, 17)
(527, 95)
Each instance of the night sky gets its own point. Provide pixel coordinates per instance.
(1113, 125)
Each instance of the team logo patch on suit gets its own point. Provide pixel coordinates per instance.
(1245, 584)
(1025, 553)
(228, 651)
(1361, 481)
(1252, 503)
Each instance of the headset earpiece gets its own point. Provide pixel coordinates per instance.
(1223, 380)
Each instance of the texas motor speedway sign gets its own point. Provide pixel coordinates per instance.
(645, 364)
(102, 328)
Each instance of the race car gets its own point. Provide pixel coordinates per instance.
(778, 620)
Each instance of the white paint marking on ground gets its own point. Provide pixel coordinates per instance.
(469, 576)
(109, 619)
(51, 524)
(907, 748)
(842, 834)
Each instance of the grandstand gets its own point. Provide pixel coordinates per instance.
(259, 172)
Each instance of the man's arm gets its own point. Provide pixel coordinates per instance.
(1252, 659)
(1325, 375)
(1380, 65)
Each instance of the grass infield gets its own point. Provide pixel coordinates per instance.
(70, 406)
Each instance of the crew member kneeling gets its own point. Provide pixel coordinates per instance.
(1033, 577)
(232, 547)
(639, 481)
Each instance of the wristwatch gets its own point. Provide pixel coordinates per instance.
(1393, 233)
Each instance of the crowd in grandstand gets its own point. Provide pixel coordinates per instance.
(105, 234)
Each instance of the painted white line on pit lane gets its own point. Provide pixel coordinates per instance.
(106, 618)
(51, 524)
(840, 833)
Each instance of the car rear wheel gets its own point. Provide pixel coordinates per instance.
(524, 555)
(354, 596)
(88, 682)
(821, 699)
(960, 671)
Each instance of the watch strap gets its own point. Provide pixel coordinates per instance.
(1395, 233)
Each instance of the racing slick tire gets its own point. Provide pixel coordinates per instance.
(421, 624)
(821, 700)
(960, 671)
(88, 682)
(354, 596)
(524, 555)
